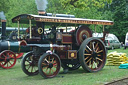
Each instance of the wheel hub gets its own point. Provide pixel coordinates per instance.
(32, 63)
(94, 54)
(50, 65)
(84, 36)
(8, 59)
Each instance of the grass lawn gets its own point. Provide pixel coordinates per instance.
(15, 76)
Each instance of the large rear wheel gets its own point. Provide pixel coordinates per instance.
(92, 54)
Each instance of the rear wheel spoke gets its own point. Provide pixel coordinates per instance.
(100, 51)
(99, 59)
(88, 54)
(88, 47)
(95, 64)
(88, 60)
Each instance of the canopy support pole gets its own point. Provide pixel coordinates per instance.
(103, 28)
(30, 30)
(18, 30)
(95, 28)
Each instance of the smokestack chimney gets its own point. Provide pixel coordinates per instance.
(3, 30)
(41, 6)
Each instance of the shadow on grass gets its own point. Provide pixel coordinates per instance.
(78, 72)
(60, 75)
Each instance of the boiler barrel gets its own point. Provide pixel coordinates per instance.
(13, 46)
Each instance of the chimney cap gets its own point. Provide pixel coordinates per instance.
(41, 12)
(3, 20)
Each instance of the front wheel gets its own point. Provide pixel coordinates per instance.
(7, 59)
(29, 64)
(49, 65)
(92, 54)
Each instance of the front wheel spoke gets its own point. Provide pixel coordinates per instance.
(2, 63)
(12, 60)
(46, 60)
(46, 70)
(52, 60)
(4, 56)
(44, 64)
(9, 55)
(9, 63)
(99, 59)
(55, 66)
(45, 67)
(50, 71)
(49, 58)
(27, 64)
(88, 60)
(28, 61)
(29, 67)
(32, 69)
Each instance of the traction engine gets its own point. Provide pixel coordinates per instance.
(53, 47)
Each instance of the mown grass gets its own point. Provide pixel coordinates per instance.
(15, 76)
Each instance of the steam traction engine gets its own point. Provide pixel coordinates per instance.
(57, 47)
(8, 46)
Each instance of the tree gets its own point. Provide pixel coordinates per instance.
(119, 9)
(4, 6)
(18, 7)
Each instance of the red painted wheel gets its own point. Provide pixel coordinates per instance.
(7, 59)
(19, 55)
(92, 54)
(82, 33)
(49, 65)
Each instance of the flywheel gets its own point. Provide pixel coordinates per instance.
(82, 33)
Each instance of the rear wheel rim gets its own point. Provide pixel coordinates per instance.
(94, 55)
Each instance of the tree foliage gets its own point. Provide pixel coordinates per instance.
(119, 10)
